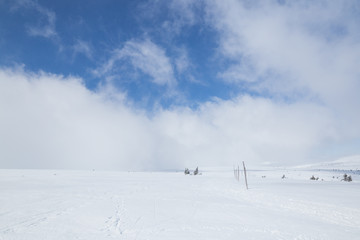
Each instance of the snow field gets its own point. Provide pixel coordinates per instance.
(54, 204)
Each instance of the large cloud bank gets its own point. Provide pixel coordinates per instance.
(51, 121)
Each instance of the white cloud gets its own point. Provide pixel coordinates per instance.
(46, 19)
(242, 72)
(178, 14)
(299, 50)
(145, 56)
(83, 47)
(182, 62)
(183, 13)
(51, 121)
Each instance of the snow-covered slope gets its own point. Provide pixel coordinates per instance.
(345, 163)
(53, 204)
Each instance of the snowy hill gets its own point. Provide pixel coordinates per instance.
(345, 163)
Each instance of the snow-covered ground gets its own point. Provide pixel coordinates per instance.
(55, 204)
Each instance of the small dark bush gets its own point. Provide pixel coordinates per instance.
(347, 178)
(196, 171)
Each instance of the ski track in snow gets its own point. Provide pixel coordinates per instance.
(120, 224)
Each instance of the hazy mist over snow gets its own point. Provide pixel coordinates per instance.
(172, 84)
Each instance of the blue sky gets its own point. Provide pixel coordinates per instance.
(272, 82)
(76, 38)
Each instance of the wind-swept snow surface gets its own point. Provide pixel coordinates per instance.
(52, 204)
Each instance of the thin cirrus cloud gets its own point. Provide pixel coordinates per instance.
(144, 56)
(83, 47)
(46, 19)
(182, 62)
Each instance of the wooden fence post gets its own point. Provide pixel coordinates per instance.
(245, 176)
(238, 173)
